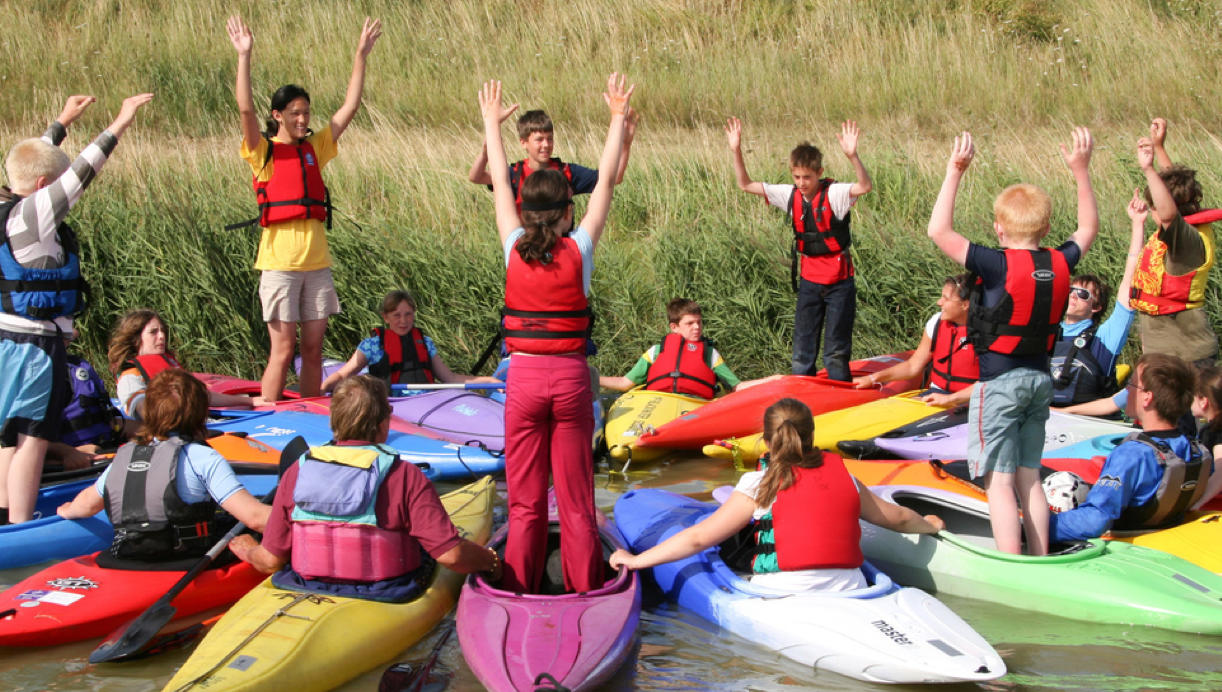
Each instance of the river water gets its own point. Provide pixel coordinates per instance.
(681, 652)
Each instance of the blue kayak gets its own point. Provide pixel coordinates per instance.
(881, 633)
(50, 538)
(440, 460)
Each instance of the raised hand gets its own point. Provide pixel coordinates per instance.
(1145, 153)
(490, 102)
(961, 154)
(73, 107)
(1158, 131)
(734, 133)
(239, 35)
(1077, 157)
(127, 112)
(617, 95)
(370, 33)
(1137, 208)
(849, 133)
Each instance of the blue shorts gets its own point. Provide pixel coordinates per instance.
(35, 387)
(1006, 417)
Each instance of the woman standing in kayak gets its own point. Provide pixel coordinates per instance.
(807, 507)
(548, 398)
(295, 286)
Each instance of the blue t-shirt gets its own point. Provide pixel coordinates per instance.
(202, 474)
(371, 346)
(584, 179)
(1110, 337)
(990, 265)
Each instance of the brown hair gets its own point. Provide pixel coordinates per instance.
(543, 228)
(1209, 385)
(806, 155)
(1181, 182)
(174, 402)
(358, 407)
(1102, 292)
(1170, 379)
(678, 307)
(1023, 211)
(532, 122)
(125, 337)
(789, 431)
(962, 284)
(391, 302)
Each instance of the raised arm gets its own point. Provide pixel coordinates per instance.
(848, 136)
(127, 113)
(1165, 208)
(356, 83)
(616, 96)
(479, 168)
(243, 42)
(1077, 157)
(1158, 136)
(73, 107)
(942, 220)
(1137, 211)
(630, 122)
(498, 167)
(734, 135)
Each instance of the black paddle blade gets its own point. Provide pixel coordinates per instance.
(292, 452)
(132, 640)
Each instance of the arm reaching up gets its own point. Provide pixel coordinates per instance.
(848, 136)
(1077, 157)
(734, 135)
(370, 33)
(617, 95)
(942, 219)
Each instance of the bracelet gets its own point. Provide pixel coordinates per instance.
(496, 562)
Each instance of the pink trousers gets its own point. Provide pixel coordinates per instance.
(549, 423)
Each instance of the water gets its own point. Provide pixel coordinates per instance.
(681, 652)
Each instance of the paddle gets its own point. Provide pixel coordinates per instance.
(396, 388)
(411, 677)
(131, 640)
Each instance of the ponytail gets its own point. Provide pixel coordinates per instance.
(545, 204)
(789, 431)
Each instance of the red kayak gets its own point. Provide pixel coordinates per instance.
(76, 599)
(741, 413)
(1088, 470)
(227, 384)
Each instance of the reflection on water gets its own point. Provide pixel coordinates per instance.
(681, 652)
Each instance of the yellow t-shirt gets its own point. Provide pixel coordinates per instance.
(301, 244)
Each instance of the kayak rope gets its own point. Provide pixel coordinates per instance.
(266, 623)
(553, 685)
(458, 454)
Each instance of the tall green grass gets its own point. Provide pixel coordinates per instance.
(1015, 72)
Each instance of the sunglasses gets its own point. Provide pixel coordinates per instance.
(1081, 293)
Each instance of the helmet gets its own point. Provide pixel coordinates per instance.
(1065, 490)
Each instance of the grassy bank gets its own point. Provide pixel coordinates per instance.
(1016, 73)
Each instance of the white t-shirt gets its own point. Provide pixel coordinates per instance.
(838, 197)
(829, 579)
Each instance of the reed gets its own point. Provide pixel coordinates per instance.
(1017, 73)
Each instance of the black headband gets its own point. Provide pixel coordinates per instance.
(546, 206)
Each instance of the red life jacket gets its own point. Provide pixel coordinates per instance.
(546, 309)
(295, 189)
(1154, 291)
(822, 239)
(150, 365)
(814, 522)
(407, 358)
(1028, 318)
(683, 367)
(521, 171)
(952, 360)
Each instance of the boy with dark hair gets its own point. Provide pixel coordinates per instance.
(818, 209)
(1012, 321)
(1155, 475)
(536, 133)
(684, 362)
(1169, 284)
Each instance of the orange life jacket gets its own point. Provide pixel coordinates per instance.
(1154, 291)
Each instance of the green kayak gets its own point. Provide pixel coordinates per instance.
(1098, 581)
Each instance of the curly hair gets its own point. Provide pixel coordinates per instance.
(125, 337)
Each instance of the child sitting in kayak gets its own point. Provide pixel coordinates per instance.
(357, 494)
(139, 351)
(684, 362)
(807, 507)
(944, 349)
(1207, 409)
(162, 492)
(399, 353)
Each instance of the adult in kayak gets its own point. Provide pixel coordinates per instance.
(399, 353)
(352, 519)
(1151, 478)
(139, 350)
(807, 507)
(163, 491)
(547, 320)
(286, 160)
(944, 352)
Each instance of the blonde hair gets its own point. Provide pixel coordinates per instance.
(31, 159)
(789, 431)
(1023, 211)
(358, 407)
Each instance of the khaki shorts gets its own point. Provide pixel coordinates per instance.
(297, 296)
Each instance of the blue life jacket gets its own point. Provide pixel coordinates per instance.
(41, 294)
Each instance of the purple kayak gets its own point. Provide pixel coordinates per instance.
(510, 640)
(456, 415)
(1062, 430)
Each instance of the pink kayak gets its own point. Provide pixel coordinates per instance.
(227, 384)
(512, 640)
(741, 413)
(321, 405)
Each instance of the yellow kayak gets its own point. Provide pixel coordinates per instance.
(854, 423)
(638, 411)
(291, 640)
(1197, 540)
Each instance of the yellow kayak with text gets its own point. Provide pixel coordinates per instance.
(638, 411)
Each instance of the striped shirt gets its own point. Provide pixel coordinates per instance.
(32, 224)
